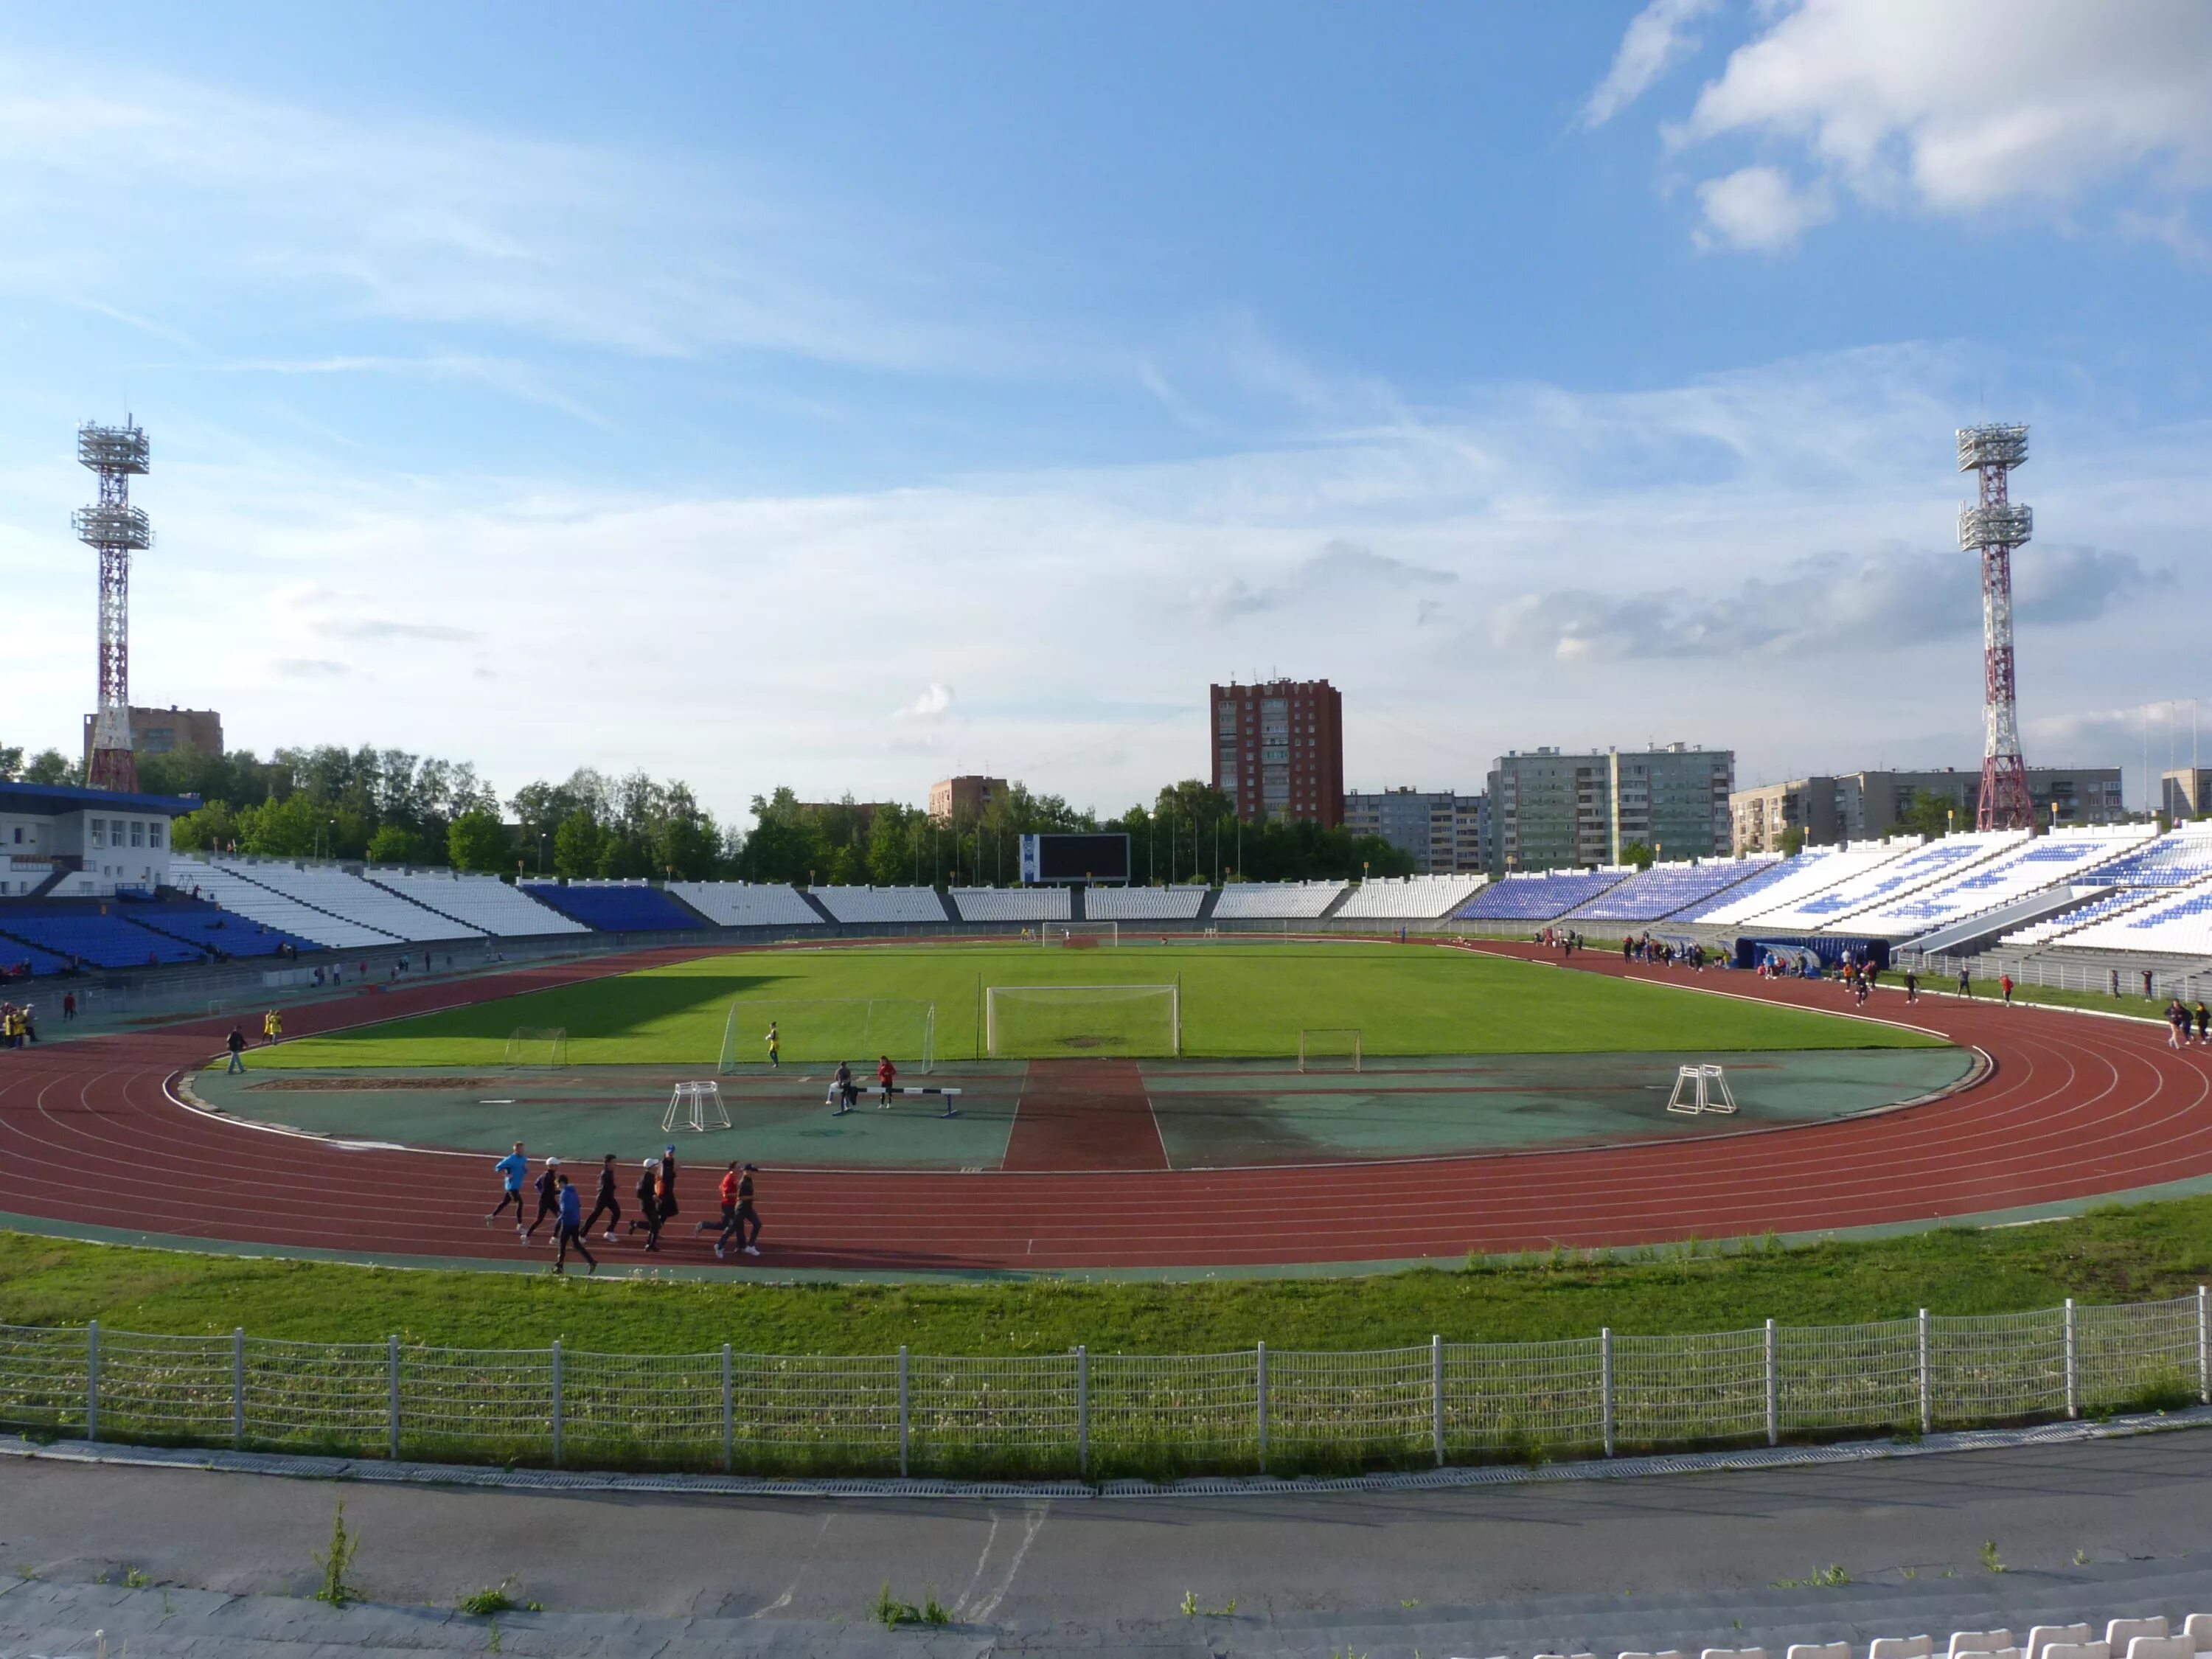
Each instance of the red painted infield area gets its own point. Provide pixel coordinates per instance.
(2074, 1107)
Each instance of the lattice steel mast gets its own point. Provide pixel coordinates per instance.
(1993, 527)
(116, 529)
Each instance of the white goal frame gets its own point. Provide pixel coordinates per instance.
(1059, 933)
(1172, 991)
(554, 1037)
(1307, 1061)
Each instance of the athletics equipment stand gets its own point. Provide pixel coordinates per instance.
(1701, 1089)
(948, 1095)
(696, 1107)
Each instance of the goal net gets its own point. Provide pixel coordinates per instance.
(823, 1031)
(1043, 1022)
(532, 1045)
(1330, 1048)
(1077, 934)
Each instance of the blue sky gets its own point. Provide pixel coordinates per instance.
(838, 396)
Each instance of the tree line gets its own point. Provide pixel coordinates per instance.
(389, 806)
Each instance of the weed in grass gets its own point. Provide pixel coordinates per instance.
(2080, 1557)
(932, 1613)
(134, 1578)
(493, 1645)
(1912, 1573)
(1991, 1562)
(494, 1599)
(1828, 1577)
(891, 1612)
(336, 1589)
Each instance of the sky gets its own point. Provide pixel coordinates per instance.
(841, 397)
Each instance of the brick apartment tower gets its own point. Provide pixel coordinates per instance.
(1278, 750)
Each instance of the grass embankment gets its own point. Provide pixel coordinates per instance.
(2134, 1254)
(2134, 1006)
(1235, 999)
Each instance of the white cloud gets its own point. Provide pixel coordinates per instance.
(1656, 41)
(931, 708)
(1758, 208)
(1951, 107)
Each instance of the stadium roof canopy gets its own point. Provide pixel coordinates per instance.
(52, 799)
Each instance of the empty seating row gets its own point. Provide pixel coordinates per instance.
(1411, 898)
(2123, 1638)
(616, 907)
(2049, 861)
(2119, 901)
(864, 904)
(2173, 860)
(2177, 923)
(224, 886)
(1811, 872)
(1539, 896)
(347, 896)
(485, 903)
(211, 928)
(1011, 904)
(1916, 866)
(1144, 903)
(17, 959)
(1276, 901)
(1655, 894)
(747, 904)
(91, 933)
(1767, 876)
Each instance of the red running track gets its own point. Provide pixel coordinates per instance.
(2075, 1108)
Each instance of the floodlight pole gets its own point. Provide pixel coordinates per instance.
(114, 529)
(1994, 526)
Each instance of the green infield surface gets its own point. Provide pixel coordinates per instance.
(1218, 1000)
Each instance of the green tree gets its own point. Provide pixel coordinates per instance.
(576, 844)
(11, 762)
(392, 844)
(1635, 853)
(478, 840)
(1928, 814)
(213, 828)
(53, 767)
(1791, 842)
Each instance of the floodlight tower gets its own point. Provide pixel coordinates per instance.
(1993, 527)
(116, 529)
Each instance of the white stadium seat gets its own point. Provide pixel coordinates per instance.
(1819, 1650)
(348, 896)
(2077, 1650)
(1411, 898)
(867, 904)
(2044, 1635)
(2160, 1647)
(1964, 1642)
(747, 904)
(2198, 1629)
(1011, 904)
(1810, 872)
(481, 901)
(2122, 1632)
(235, 892)
(1900, 1647)
(1914, 868)
(1286, 901)
(1144, 903)
(2048, 861)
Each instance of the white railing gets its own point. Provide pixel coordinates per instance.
(1107, 1415)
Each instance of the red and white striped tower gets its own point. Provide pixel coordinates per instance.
(1993, 527)
(117, 529)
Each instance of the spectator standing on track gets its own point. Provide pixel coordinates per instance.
(2004, 983)
(511, 1169)
(842, 1087)
(2150, 987)
(775, 1047)
(1966, 984)
(549, 1197)
(2116, 985)
(886, 1080)
(645, 1217)
(236, 1044)
(605, 1204)
(1911, 985)
(272, 1028)
(570, 1230)
(69, 1007)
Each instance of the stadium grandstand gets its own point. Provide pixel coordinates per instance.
(2172, 922)
(1917, 865)
(2136, 879)
(1768, 875)
(1015, 904)
(882, 904)
(1659, 892)
(2021, 872)
(1145, 903)
(1408, 898)
(225, 885)
(1809, 873)
(347, 896)
(616, 907)
(1539, 896)
(747, 904)
(213, 929)
(485, 903)
(1277, 900)
(94, 934)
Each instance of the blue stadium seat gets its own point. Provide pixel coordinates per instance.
(1538, 898)
(93, 932)
(1654, 894)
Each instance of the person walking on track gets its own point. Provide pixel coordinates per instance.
(511, 1169)
(775, 1047)
(887, 1081)
(1911, 985)
(236, 1044)
(605, 1204)
(568, 1229)
(549, 1197)
(272, 1028)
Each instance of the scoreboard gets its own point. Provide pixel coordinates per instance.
(1065, 858)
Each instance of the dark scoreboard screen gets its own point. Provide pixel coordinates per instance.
(1075, 858)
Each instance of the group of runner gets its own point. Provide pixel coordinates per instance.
(2181, 1015)
(559, 1199)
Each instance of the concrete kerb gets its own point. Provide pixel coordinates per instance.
(378, 1472)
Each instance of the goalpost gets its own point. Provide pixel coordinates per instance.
(541, 1046)
(1077, 934)
(1038, 1021)
(826, 1029)
(1330, 1048)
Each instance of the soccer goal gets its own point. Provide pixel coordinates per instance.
(538, 1046)
(823, 1031)
(696, 1106)
(1330, 1048)
(1079, 934)
(1042, 1022)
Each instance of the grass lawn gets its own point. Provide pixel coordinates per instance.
(1237, 1000)
(2131, 1254)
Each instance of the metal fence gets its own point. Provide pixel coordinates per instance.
(1100, 1415)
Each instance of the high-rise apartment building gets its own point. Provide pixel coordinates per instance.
(1443, 830)
(1549, 811)
(1868, 806)
(1278, 750)
(168, 731)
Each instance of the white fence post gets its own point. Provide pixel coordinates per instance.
(1605, 1381)
(1259, 1377)
(903, 1420)
(556, 1402)
(2073, 1372)
(1774, 1391)
(1437, 1395)
(92, 1380)
(729, 1429)
(391, 1409)
(1082, 1410)
(1927, 1393)
(2203, 1345)
(238, 1387)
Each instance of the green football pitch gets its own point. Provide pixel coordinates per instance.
(1235, 1001)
